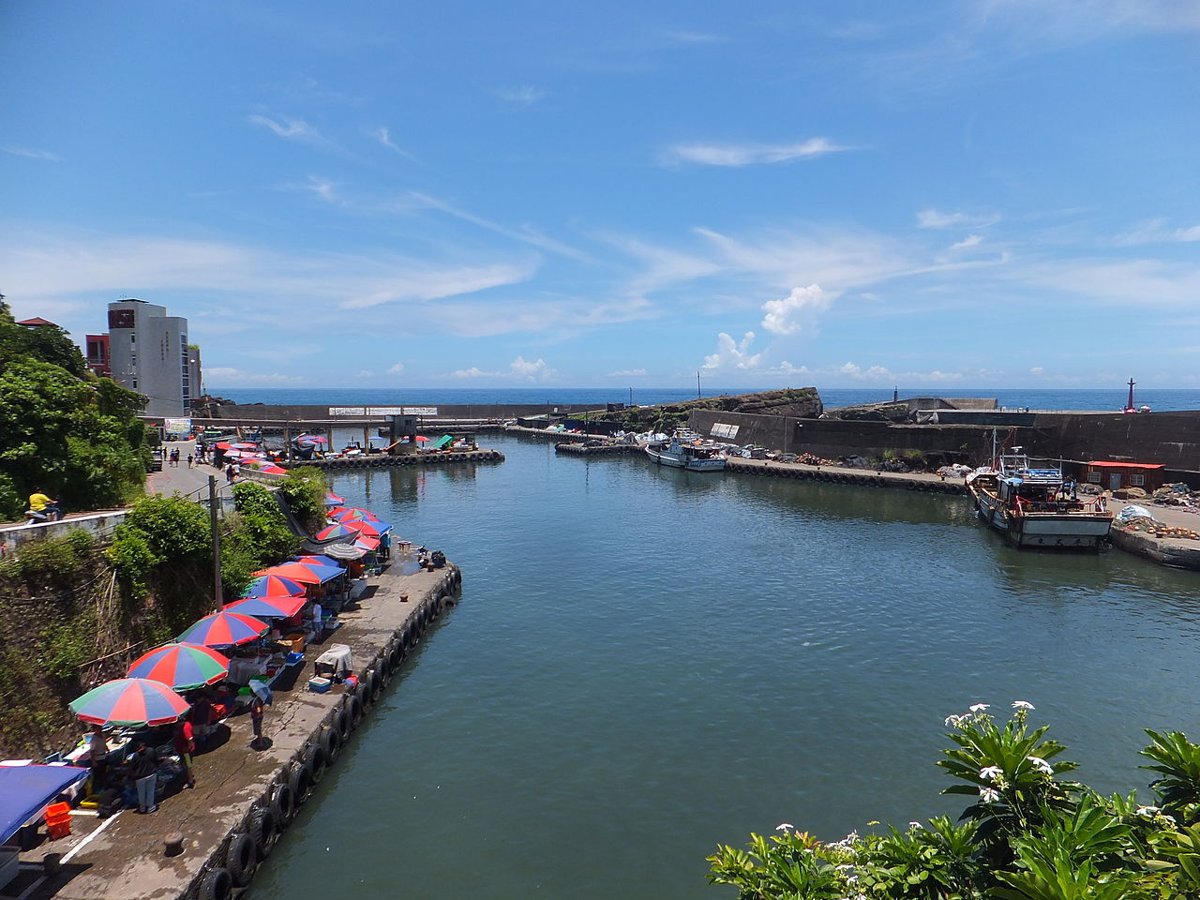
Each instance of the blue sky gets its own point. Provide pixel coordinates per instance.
(841, 194)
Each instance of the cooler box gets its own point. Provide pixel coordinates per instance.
(319, 685)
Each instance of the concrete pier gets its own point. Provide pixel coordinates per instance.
(912, 481)
(384, 460)
(241, 791)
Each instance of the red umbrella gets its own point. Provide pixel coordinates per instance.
(421, 439)
(353, 512)
(181, 666)
(225, 629)
(131, 702)
(295, 571)
(362, 526)
(268, 607)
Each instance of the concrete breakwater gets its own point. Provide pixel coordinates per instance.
(207, 842)
(912, 481)
(603, 448)
(381, 460)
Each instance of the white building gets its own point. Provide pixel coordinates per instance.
(149, 354)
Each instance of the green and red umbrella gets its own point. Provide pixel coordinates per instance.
(131, 703)
(353, 512)
(181, 666)
(332, 499)
(267, 607)
(224, 629)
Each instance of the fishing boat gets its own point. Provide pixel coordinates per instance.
(681, 453)
(1033, 507)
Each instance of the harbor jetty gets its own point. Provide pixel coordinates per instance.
(206, 842)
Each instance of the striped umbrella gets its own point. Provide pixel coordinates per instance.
(362, 526)
(224, 629)
(326, 573)
(352, 512)
(267, 607)
(272, 585)
(332, 499)
(181, 666)
(131, 703)
(318, 559)
(336, 531)
(294, 572)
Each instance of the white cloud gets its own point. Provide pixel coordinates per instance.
(525, 233)
(384, 137)
(520, 95)
(436, 284)
(626, 373)
(933, 218)
(227, 376)
(797, 311)
(1155, 231)
(531, 371)
(473, 372)
(971, 240)
(322, 188)
(693, 37)
(289, 129)
(397, 369)
(737, 155)
(883, 375)
(1075, 23)
(732, 355)
(29, 153)
(1037, 370)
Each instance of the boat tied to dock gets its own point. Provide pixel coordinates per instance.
(1035, 507)
(692, 455)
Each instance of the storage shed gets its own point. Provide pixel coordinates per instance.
(1116, 475)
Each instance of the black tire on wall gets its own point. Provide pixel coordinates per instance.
(240, 858)
(283, 805)
(216, 885)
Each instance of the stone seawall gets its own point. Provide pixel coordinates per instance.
(206, 843)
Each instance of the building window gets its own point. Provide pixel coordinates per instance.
(1094, 476)
(135, 384)
(133, 337)
(1137, 479)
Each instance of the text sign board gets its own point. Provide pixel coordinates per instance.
(177, 426)
(383, 411)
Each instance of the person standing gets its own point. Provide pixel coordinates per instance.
(144, 769)
(98, 758)
(257, 708)
(189, 460)
(185, 746)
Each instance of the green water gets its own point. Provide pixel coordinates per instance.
(648, 662)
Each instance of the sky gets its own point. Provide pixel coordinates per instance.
(839, 194)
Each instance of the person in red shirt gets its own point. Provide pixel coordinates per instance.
(185, 746)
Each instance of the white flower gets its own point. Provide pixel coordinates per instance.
(1041, 765)
(1148, 811)
(784, 826)
(989, 795)
(952, 721)
(915, 825)
(991, 773)
(1023, 705)
(979, 707)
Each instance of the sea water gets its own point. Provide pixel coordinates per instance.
(647, 662)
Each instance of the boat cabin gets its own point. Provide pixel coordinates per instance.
(1116, 475)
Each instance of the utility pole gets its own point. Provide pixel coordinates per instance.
(697, 385)
(631, 398)
(218, 597)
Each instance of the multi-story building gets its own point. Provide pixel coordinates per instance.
(96, 351)
(148, 353)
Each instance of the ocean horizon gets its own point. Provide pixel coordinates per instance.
(1080, 399)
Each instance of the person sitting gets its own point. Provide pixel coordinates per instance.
(43, 508)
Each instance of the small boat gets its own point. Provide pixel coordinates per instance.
(691, 455)
(1032, 507)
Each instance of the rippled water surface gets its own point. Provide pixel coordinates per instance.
(648, 662)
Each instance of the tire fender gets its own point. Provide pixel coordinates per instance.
(283, 805)
(356, 711)
(331, 743)
(300, 782)
(261, 828)
(240, 858)
(216, 885)
(314, 759)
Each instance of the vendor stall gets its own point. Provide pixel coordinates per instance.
(25, 792)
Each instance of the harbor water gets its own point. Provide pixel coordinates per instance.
(647, 662)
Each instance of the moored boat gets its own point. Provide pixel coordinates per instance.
(1034, 507)
(691, 455)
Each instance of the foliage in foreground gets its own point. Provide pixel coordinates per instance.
(1028, 833)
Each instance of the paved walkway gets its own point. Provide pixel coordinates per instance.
(184, 480)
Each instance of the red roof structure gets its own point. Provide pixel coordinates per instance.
(1127, 465)
(37, 322)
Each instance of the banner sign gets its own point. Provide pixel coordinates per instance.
(177, 426)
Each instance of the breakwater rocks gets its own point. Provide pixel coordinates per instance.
(207, 842)
(933, 484)
(383, 460)
(597, 448)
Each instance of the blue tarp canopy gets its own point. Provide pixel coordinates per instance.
(26, 790)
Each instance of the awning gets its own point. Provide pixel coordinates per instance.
(25, 791)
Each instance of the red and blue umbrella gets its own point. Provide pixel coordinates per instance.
(294, 572)
(272, 585)
(267, 607)
(336, 531)
(181, 666)
(326, 573)
(319, 559)
(353, 512)
(363, 526)
(224, 629)
(332, 499)
(131, 703)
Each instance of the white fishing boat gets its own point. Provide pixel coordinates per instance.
(692, 455)
(1033, 507)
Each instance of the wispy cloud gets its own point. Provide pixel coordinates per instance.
(525, 234)
(1155, 231)
(323, 188)
(937, 219)
(384, 137)
(1076, 23)
(396, 369)
(971, 240)
(693, 37)
(738, 155)
(420, 284)
(229, 376)
(626, 373)
(290, 129)
(519, 369)
(521, 95)
(30, 153)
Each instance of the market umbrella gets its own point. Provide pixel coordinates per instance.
(324, 572)
(332, 499)
(265, 466)
(421, 439)
(267, 607)
(366, 542)
(294, 571)
(274, 586)
(181, 666)
(130, 702)
(224, 629)
(336, 531)
(317, 559)
(362, 526)
(353, 512)
(243, 446)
